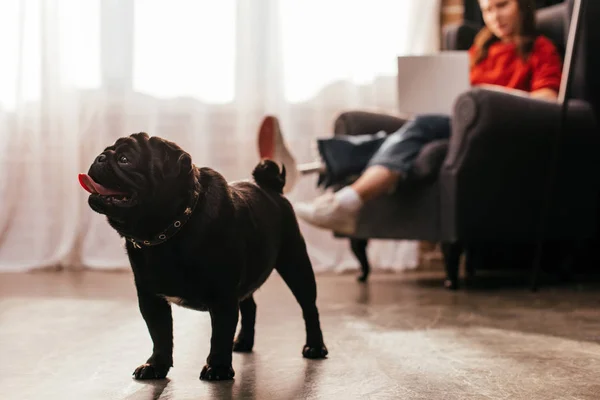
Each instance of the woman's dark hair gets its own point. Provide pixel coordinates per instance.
(525, 34)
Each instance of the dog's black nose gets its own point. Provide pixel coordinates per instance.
(101, 158)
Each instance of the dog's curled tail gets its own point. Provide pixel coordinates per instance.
(268, 176)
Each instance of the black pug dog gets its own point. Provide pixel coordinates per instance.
(196, 241)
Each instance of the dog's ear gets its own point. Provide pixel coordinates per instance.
(185, 163)
(169, 161)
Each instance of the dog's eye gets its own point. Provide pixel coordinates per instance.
(123, 160)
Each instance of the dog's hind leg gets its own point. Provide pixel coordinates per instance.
(245, 338)
(295, 268)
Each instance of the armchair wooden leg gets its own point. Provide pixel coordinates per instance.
(473, 260)
(452, 252)
(537, 265)
(568, 261)
(359, 248)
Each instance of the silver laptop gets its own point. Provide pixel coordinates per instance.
(430, 84)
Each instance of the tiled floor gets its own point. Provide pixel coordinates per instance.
(80, 335)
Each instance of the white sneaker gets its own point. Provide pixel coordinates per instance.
(272, 146)
(326, 212)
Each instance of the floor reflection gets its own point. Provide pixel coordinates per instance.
(394, 337)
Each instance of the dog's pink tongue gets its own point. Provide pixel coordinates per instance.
(94, 187)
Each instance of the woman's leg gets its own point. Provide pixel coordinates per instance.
(375, 181)
(384, 171)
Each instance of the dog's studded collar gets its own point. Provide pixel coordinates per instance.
(174, 227)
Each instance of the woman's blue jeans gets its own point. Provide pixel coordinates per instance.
(350, 155)
(399, 150)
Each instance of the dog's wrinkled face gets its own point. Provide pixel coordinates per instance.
(136, 173)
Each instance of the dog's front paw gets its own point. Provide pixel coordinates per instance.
(217, 373)
(150, 371)
(243, 345)
(315, 352)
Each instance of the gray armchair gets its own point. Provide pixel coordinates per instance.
(490, 180)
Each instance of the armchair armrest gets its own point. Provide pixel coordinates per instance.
(459, 36)
(366, 123)
(500, 152)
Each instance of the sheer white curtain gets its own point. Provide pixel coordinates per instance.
(77, 74)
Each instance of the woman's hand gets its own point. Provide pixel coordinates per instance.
(545, 94)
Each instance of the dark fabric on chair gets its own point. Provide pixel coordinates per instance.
(345, 156)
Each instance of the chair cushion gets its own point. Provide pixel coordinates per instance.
(552, 22)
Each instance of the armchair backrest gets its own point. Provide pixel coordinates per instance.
(554, 22)
(586, 63)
